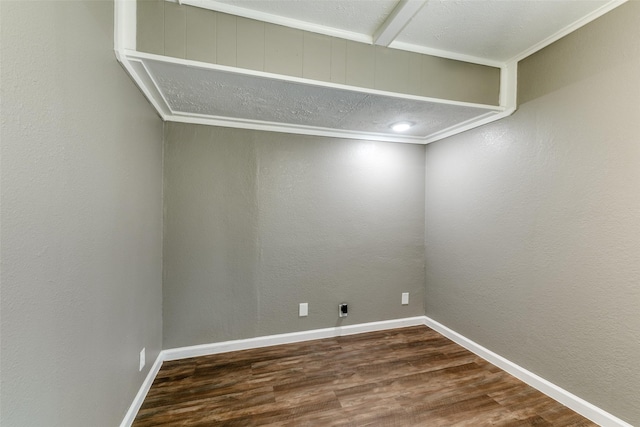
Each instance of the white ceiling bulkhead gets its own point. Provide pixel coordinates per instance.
(495, 34)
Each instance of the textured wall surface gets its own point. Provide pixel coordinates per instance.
(533, 223)
(257, 222)
(81, 219)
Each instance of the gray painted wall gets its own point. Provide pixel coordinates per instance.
(533, 223)
(81, 219)
(531, 238)
(257, 222)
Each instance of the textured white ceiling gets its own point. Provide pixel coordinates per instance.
(492, 30)
(217, 93)
(496, 30)
(359, 16)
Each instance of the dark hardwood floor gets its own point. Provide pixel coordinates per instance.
(402, 377)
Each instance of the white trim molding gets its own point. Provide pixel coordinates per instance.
(290, 338)
(134, 63)
(396, 21)
(125, 25)
(559, 394)
(138, 64)
(447, 54)
(612, 4)
(562, 396)
(258, 342)
(130, 416)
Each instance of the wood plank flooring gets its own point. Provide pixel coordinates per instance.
(402, 377)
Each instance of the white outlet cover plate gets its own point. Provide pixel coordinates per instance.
(303, 310)
(405, 298)
(142, 359)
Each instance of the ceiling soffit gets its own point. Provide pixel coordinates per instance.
(195, 92)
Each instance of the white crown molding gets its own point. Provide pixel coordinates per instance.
(465, 126)
(568, 29)
(292, 129)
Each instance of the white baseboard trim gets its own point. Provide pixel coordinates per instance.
(568, 399)
(559, 394)
(293, 337)
(142, 393)
(266, 341)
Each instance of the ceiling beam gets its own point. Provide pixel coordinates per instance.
(396, 21)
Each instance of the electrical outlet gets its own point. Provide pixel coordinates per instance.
(343, 310)
(405, 298)
(142, 359)
(303, 309)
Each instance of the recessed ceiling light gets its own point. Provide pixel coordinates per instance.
(401, 126)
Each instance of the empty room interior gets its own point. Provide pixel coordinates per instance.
(363, 197)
